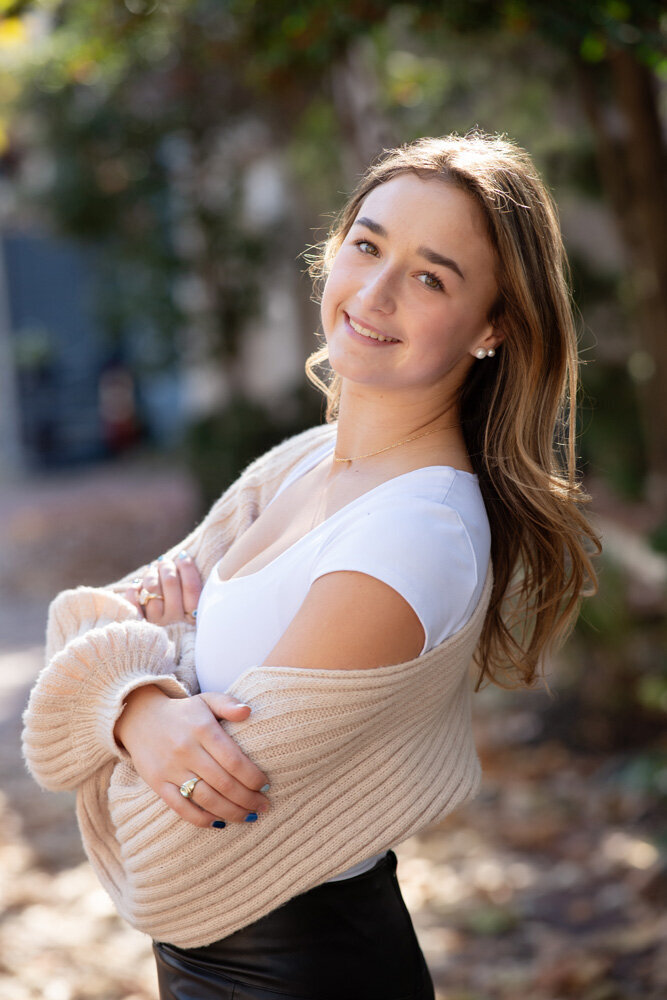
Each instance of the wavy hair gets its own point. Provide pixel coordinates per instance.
(517, 410)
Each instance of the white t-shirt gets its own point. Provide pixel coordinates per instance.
(425, 533)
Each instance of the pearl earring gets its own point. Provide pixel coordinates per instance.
(480, 353)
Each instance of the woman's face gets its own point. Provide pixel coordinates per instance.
(417, 268)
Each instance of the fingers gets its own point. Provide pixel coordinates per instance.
(132, 595)
(232, 784)
(221, 795)
(172, 740)
(170, 588)
(191, 585)
(153, 606)
(223, 748)
(194, 812)
(185, 808)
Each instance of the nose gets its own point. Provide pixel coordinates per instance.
(378, 291)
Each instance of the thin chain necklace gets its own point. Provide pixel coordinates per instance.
(321, 500)
(414, 437)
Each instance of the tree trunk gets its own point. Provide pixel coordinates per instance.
(355, 96)
(631, 159)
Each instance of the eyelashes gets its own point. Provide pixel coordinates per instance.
(366, 243)
(437, 284)
(431, 280)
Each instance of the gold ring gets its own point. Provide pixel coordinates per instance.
(145, 596)
(188, 787)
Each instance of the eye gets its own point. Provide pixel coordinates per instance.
(431, 281)
(365, 246)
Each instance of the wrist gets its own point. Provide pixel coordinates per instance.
(138, 701)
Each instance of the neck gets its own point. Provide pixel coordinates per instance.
(368, 422)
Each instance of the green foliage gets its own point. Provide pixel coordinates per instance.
(490, 920)
(644, 773)
(612, 441)
(117, 96)
(613, 677)
(314, 155)
(590, 29)
(652, 693)
(658, 538)
(295, 39)
(218, 448)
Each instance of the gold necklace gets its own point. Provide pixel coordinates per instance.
(414, 437)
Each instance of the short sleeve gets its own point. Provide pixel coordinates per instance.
(422, 549)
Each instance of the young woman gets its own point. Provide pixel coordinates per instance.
(350, 576)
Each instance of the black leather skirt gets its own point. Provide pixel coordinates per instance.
(347, 940)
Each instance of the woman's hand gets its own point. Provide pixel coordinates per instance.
(168, 591)
(171, 740)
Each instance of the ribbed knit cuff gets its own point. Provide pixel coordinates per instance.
(70, 718)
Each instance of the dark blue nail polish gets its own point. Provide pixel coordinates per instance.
(251, 817)
(160, 558)
(194, 613)
(218, 824)
(264, 789)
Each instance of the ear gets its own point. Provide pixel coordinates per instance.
(491, 337)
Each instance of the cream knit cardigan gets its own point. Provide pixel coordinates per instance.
(358, 760)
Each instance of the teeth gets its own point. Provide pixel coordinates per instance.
(369, 333)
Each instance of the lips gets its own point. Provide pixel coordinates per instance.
(369, 333)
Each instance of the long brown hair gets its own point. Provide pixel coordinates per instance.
(517, 409)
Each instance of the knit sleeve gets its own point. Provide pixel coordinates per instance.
(99, 648)
(94, 661)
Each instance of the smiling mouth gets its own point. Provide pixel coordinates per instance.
(371, 334)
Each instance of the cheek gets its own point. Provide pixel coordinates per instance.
(331, 298)
(446, 338)
(326, 308)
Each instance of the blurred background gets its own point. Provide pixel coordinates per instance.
(163, 166)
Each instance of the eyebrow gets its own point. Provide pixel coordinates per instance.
(425, 252)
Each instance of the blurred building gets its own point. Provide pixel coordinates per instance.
(68, 395)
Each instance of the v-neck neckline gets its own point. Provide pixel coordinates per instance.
(322, 453)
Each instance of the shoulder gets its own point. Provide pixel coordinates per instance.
(430, 547)
(421, 523)
(350, 620)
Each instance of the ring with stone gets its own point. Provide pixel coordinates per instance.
(188, 787)
(145, 596)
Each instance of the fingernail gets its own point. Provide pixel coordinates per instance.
(264, 789)
(251, 818)
(194, 613)
(160, 558)
(137, 580)
(218, 824)
(183, 554)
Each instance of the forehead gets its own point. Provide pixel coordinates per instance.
(426, 209)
